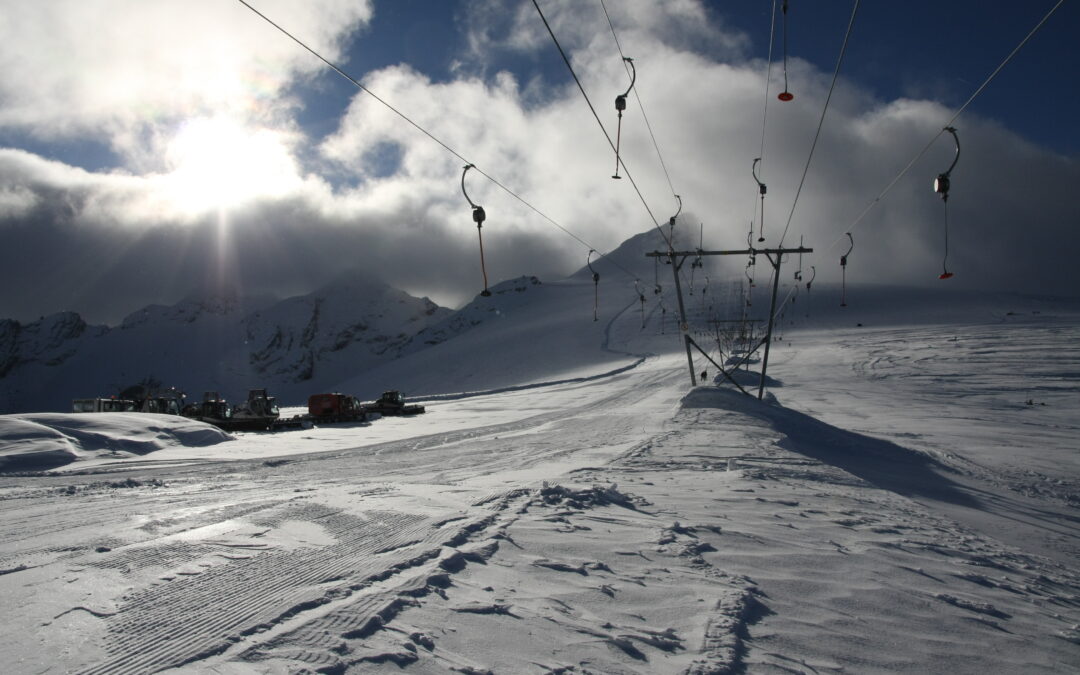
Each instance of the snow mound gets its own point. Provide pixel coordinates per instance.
(42, 441)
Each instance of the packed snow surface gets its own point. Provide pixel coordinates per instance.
(904, 499)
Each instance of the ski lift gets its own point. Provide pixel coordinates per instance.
(813, 275)
(478, 216)
(785, 95)
(620, 106)
(761, 190)
(596, 286)
(657, 289)
(941, 186)
(843, 270)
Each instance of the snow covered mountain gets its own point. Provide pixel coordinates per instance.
(903, 499)
(212, 342)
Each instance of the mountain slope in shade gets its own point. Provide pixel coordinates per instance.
(212, 342)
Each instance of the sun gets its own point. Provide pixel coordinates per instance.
(220, 164)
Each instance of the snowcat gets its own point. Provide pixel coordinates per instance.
(97, 405)
(393, 403)
(213, 410)
(335, 408)
(167, 402)
(258, 412)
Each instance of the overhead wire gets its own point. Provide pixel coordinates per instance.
(945, 127)
(581, 88)
(765, 105)
(821, 122)
(434, 138)
(637, 96)
(949, 123)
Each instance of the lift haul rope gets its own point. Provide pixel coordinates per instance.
(435, 138)
(596, 116)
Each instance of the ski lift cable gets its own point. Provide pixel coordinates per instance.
(637, 97)
(821, 122)
(765, 107)
(581, 88)
(903, 172)
(427, 133)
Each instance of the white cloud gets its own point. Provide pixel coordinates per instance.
(123, 70)
(400, 213)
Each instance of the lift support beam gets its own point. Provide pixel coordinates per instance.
(775, 257)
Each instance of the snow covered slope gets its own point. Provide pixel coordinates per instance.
(903, 500)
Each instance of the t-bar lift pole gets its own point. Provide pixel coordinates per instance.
(775, 257)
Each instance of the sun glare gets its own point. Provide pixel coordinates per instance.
(219, 164)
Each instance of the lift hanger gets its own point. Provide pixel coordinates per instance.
(671, 231)
(620, 106)
(596, 286)
(785, 95)
(843, 270)
(641, 298)
(478, 216)
(761, 190)
(941, 186)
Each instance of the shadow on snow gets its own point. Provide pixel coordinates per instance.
(881, 463)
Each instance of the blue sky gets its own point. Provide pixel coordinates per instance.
(918, 48)
(201, 149)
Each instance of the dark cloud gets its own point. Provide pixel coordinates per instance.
(380, 197)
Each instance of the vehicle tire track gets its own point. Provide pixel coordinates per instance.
(195, 617)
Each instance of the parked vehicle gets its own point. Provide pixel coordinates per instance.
(335, 408)
(213, 410)
(97, 405)
(393, 403)
(259, 411)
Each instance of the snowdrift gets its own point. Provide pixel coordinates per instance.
(36, 442)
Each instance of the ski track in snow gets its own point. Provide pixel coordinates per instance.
(609, 524)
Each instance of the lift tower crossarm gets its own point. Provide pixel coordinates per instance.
(741, 251)
(774, 255)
